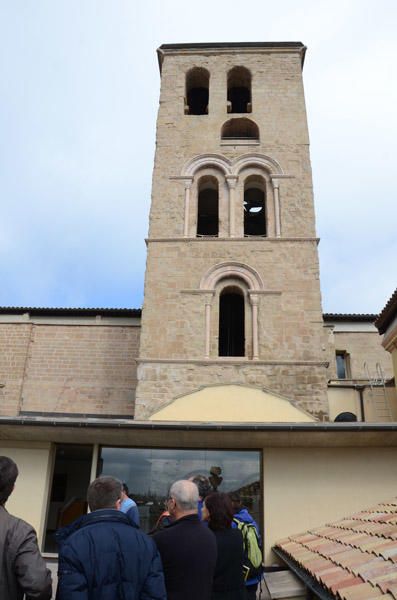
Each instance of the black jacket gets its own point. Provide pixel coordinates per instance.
(22, 568)
(228, 577)
(188, 551)
(108, 558)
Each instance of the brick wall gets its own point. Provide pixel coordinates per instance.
(68, 368)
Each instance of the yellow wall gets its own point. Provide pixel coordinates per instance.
(306, 488)
(29, 498)
(343, 400)
(380, 405)
(232, 403)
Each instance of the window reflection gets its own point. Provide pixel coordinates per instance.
(150, 472)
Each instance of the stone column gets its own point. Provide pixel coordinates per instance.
(208, 303)
(232, 182)
(255, 346)
(188, 185)
(276, 192)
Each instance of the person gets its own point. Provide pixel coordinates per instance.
(204, 488)
(241, 514)
(128, 505)
(22, 568)
(228, 578)
(187, 548)
(107, 556)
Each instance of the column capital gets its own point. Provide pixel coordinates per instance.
(276, 183)
(231, 181)
(187, 182)
(254, 299)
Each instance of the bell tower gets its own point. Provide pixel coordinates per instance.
(232, 291)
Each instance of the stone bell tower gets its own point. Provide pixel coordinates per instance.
(232, 289)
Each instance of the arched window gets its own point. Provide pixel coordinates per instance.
(231, 323)
(197, 91)
(254, 206)
(240, 129)
(208, 206)
(239, 90)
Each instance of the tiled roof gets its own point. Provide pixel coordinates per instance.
(388, 314)
(70, 312)
(349, 317)
(352, 559)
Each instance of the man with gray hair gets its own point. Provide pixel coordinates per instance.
(106, 555)
(187, 548)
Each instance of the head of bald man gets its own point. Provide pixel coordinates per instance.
(183, 499)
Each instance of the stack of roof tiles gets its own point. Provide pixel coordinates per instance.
(354, 558)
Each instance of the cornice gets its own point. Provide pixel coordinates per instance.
(231, 361)
(248, 239)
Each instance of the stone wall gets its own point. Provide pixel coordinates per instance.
(161, 382)
(291, 356)
(362, 347)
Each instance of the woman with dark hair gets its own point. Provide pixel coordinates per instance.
(228, 578)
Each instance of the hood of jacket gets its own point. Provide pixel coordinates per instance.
(108, 515)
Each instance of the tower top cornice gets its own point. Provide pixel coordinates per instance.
(230, 47)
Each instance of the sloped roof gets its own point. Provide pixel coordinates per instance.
(69, 312)
(349, 317)
(388, 314)
(352, 559)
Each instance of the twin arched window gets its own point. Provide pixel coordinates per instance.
(254, 206)
(238, 91)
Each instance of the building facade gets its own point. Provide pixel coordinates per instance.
(231, 369)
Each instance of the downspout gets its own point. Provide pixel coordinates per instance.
(360, 389)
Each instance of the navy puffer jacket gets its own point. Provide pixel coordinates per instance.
(107, 558)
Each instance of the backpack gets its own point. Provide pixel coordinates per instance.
(252, 561)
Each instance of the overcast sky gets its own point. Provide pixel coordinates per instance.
(79, 88)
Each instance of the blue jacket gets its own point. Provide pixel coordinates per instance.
(105, 557)
(243, 515)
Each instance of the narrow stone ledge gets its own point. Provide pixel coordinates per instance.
(249, 362)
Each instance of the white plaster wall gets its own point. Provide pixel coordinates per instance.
(309, 487)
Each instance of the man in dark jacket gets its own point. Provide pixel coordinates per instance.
(22, 568)
(187, 547)
(106, 557)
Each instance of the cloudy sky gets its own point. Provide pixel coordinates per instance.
(79, 87)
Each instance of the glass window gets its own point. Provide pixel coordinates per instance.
(149, 472)
(71, 478)
(342, 365)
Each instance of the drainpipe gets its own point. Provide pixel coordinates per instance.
(360, 389)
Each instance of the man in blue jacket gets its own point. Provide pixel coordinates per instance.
(105, 557)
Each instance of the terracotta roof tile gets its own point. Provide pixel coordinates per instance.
(354, 558)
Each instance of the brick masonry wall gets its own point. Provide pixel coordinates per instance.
(14, 347)
(71, 369)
